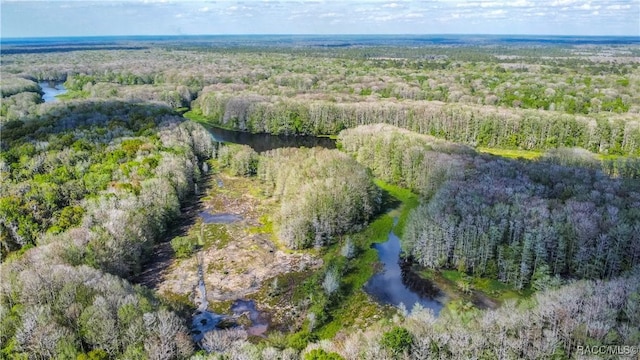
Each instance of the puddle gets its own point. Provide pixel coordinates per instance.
(259, 322)
(221, 218)
(204, 321)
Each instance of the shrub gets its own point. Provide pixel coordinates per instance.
(183, 246)
(300, 340)
(397, 340)
(320, 354)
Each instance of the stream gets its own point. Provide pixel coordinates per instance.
(396, 284)
(51, 89)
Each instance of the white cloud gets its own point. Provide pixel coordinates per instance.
(618, 7)
(562, 2)
(306, 16)
(330, 15)
(496, 12)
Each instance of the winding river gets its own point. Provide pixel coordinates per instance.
(265, 142)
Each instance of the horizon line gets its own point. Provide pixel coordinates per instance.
(313, 34)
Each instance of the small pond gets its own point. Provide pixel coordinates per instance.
(51, 90)
(396, 284)
(221, 218)
(259, 322)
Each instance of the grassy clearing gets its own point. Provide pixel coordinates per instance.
(197, 116)
(265, 227)
(73, 94)
(408, 202)
(532, 154)
(459, 288)
(512, 153)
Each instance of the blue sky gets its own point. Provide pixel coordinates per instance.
(20, 18)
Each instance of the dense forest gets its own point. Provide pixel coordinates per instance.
(517, 221)
(97, 183)
(93, 186)
(474, 97)
(476, 125)
(322, 192)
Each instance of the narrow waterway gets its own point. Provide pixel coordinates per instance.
(395, 284)
(265, 142)
(51, 90)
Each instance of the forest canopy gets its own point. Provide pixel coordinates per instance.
(323, 193)
(512, 220)
(102, 183)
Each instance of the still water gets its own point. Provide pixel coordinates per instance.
(51, 90)
(265, 142)
(396, 284)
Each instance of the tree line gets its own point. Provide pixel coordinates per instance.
(567, 81)
(462, 123)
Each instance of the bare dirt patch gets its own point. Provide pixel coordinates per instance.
(237, 264)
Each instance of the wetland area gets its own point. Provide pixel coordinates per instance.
(239, 257)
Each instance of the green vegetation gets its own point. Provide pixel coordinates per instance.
(323, 193)
(104, 182)
(398, 340)
(511, 153)
(320, 354)
(184, 246)
(461, 288)
(512, 173)
(409, 201)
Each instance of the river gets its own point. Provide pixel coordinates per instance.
(51, 90)
(396, 284)
(265, 142)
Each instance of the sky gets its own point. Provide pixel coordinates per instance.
(21, 18)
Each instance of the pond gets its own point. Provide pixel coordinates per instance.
(396, 284)
(221, 218)
(51, 90)
(259, 321)
(265, 142)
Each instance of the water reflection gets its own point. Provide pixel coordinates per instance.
(396, 284)
(221, 218)
(265, 142)
(259, 322)
(51, 90)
